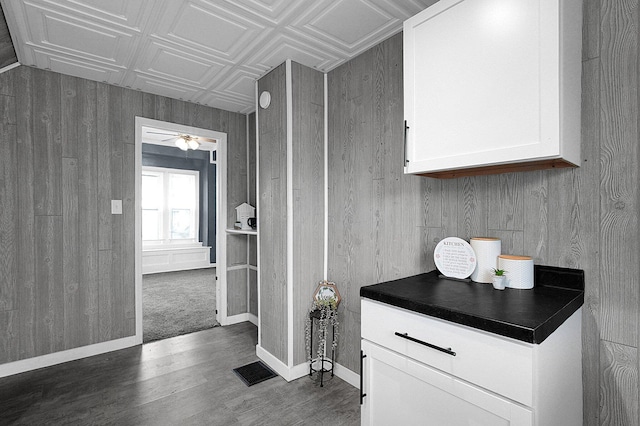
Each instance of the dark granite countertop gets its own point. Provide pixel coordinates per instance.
(526, 315)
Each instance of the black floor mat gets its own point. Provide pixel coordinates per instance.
(253, 373)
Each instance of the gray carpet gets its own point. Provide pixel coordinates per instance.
(176, 303)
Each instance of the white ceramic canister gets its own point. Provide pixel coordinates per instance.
(518, 270)
(487, 251)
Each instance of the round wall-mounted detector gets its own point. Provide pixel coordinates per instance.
(265, 99)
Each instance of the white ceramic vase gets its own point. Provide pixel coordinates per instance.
(518, 270)
(487, 251)
(498, 282)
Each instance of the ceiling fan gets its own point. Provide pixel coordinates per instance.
(184, 141)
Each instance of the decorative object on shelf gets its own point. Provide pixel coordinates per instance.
(497, 279)
(243, 212)
(237, 225)
(487, 250)
(324, 311)
(252, 222)
(520, 270)
(454, 258)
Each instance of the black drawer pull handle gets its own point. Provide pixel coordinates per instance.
(438, 348)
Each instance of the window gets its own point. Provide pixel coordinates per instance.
(169, 206)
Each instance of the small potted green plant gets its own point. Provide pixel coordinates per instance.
(498, 279)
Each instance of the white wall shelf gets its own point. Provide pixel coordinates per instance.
(242, 231)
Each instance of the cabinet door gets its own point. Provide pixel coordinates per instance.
(485, 84)
(405, 392)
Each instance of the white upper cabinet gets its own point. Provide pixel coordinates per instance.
(492, 86)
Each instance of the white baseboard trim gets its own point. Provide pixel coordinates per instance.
(48, 360)
(253, 319)
(9, 67)
(347, 375)
(235, 319)
(343, 372)
(298, 371)
(274, 363)
(301, 370)
(280, 367)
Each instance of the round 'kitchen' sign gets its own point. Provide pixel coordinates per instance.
(454, 258)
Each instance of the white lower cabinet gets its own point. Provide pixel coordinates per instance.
(419, 370)
(402, 391)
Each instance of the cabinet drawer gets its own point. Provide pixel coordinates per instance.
(502, 365)
(400, 391)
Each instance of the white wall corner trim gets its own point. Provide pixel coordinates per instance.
(326, 179)
(48, 360)
(289, 159)
(258, 208)
(248, 254)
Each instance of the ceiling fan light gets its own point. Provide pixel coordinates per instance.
(193, 144)
(182, 144)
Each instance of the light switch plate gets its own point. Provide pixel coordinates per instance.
(116, 206)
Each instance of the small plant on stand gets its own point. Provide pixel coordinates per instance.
(498, 279)
(327, 317)
(324, 309)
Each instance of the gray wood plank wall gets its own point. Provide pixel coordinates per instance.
(237, 288)
(383, 225)
(378, 227)
(308, 202)
(66, 149)
(308, 196)
(272, 217)
(253, 290)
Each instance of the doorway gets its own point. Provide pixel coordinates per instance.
(207, 141)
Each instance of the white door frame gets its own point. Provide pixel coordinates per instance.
(221, 213)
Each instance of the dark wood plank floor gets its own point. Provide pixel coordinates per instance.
(184, 380)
